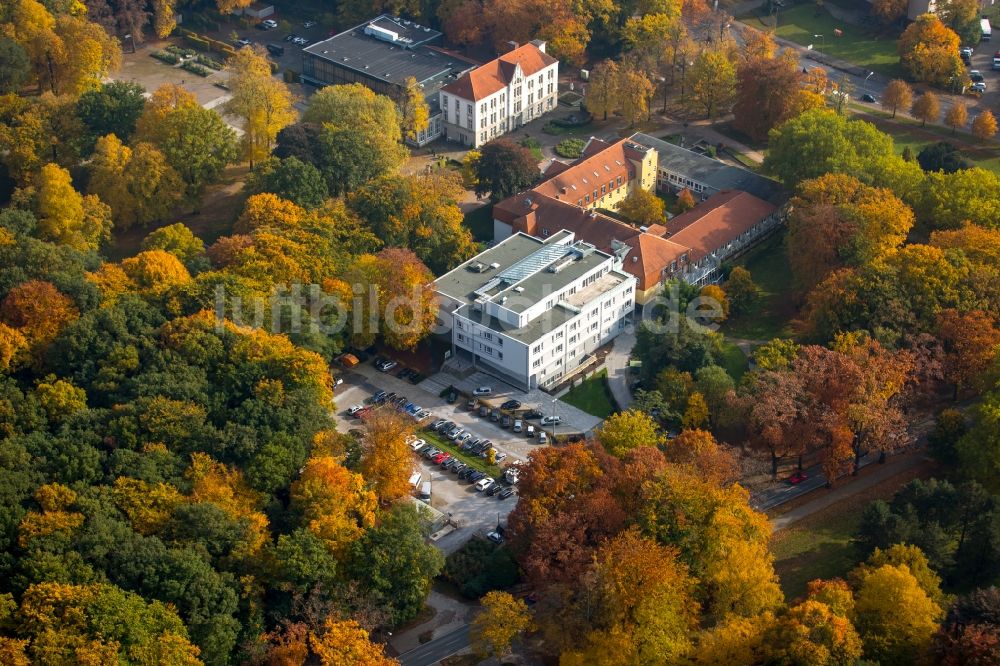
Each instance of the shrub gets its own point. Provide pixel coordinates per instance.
(572, 148)
(480, 566)
(163, 56)
(195, 68)
(208, 62)
(534, 145)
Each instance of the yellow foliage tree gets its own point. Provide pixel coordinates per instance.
(413, 109)
(268, 210)
(386, 458)
(624, 431)
(260, 101)
(735, 640)
(927, 107)
(928, 51)
(346, 643)
(956, 116)
(894, 615)
(54, 500)
(696, 413)
(13, 348)
(334, 501)
(985, 125)
(502, 619)
(59, 398)
(111, 281)
(147, 505)
(38, 311)
(155, 271)
(136, 182)
(642, 208)
(214, 482)
(81, 222)
(716, 300)
(810, 631)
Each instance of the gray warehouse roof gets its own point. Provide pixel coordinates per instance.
(711, 172)
(395, 51)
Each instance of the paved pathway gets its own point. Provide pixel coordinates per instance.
(437, 649)
(617, 364)
(829, 498)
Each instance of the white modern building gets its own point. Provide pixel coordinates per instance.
(501, 95)
(531, 311)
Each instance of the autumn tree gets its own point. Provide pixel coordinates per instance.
(713, 82)
(956, 116)
(413, 110)
(897, 95)
(839, 221)
(386, 458)
(602, 97)
(178, 240)
(971, 341)
(66, 217)
(137, 183)
(699, 450)
(333, 502)
(696, 413)
(894, 616)
(624, 431)
(346, 643)
(985, 125)
(927, 107)
(813, 628)
(928, 51)
(970, 631)
(768, 92)
(155, 272)
(635, 91)
(261, 102)
(268, 210)
(14, 65)
(502, 619)
(685, 201)
(503, 169)
(642, 208)
(889, 11)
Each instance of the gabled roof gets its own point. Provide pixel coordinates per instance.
(650, 256)
(717, 221)
(497, 74)
(601, 163)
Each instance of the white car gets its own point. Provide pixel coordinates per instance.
(979, 87)
(270, 24)
(309, 24)
(483, 390)
(354, 409)
(417, 444)
(551, 420)
(243, 42)
(494, 537)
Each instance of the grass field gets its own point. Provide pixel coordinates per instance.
(734, 361)
(818, 550)
(770, 315)
(906, 132)
(446, 445)
(802, 22)
(593, 396)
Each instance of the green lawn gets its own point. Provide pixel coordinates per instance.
(480, 223)
(593, 396)
(802, 554)
(734, 361)
(858, 46)
(446, 445)
(770, 315)
(906, 132)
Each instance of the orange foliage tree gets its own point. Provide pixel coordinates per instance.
(38, 311)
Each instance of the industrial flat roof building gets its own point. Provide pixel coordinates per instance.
(382, 54)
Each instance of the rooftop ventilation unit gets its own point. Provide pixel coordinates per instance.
(561, 264)
(519, 289)
(381, 33)
(494, 265)
(477, 267)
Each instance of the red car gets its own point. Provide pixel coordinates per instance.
(797, 478)
(441, 457)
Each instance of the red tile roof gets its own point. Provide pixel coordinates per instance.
(496, 75)
(717, 221)
(601, 164)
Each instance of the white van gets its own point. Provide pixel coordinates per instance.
(415, 480)
(484, 483)
(518, 425)
(531, 431)
(425, 490)
(984, 25)
(543, 438)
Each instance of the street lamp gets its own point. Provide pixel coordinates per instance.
(554, 400)
(822, 41)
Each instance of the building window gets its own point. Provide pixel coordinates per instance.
(537, 363)
(461, 338)
(537, 349)
(461, 326)
(488, 336)
(619, 181)
(595, 194)
(500, 355)
(604, 190)
(587, 198)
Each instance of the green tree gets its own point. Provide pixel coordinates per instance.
(394, 562)
(352, 158)
(740, 290)
(114, 108)
(178, 240)
(14, 65)
(503, 169)
(291, 179)
(713, 82)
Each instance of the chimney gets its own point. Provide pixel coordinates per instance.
(510, 46)
(539, 44)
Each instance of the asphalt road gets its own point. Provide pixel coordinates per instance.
(815, 479)
(440, 648)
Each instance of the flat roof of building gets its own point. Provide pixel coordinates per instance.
(392, 59)
(525, 262)
(711, 172)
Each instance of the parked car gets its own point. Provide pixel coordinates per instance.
(269, 24)
(483, 390)
(452, 397)
(500, 456)
(437, 424)
(495, 415)
(796, 478)
(386, 366)
(243, 42)
(459, 467)
(551, 420)
(543, 437)
(495, 537)
(379, 397)
(354, 409)
(472, 404)
(518, 425)
(484, 411)
(417, 444)
(505, 421)
(484, 483)
(505, 493)
(511, 404)
(416, 377)
(430, 452)
(531, 431)
(493, 489)
(976, 76)
(979, 87)
(440, 458)
(309, 24)
(301, 41)
(868, 97)
(466, 473)
(475, 477)
(532, 414)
